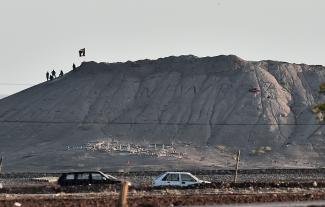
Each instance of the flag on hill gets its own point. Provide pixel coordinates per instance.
(82, 52)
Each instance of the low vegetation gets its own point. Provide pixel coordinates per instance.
(322, 87)
(260, 150)
(319, 110)
(222, 148)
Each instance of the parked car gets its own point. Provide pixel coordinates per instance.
(177, 179)
(86, 178)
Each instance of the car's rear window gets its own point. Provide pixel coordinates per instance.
(96, 176)
(188, 178)
(162, 174)
(82, 176)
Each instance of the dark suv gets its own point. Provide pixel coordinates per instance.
(86, 178)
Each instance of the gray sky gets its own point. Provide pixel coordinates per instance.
(41, 35)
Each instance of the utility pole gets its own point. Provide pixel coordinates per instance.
(237, 164)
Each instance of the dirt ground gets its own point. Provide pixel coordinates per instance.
(254, 186)
(154, 201)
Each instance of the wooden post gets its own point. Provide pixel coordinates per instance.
(123, 194)
(237, 164)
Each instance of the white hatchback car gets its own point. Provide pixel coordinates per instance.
(177, 179)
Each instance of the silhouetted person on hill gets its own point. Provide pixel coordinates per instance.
(53, 73)
(51, 77)
(73, 66)
(47, 76)
(61, 73)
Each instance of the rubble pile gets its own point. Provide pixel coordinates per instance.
(118, 148)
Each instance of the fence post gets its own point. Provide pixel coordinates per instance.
(237, 164)
(123, 194)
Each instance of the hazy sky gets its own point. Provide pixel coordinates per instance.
(41, 35)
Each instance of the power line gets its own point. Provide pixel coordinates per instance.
(157, 123)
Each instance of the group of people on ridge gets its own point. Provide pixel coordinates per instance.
(52, 75)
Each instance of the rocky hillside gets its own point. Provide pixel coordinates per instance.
(211, 101)
(2, 96)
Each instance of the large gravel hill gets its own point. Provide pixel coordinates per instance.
(221, 101)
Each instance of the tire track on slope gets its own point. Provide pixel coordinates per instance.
(173, 86)
(320, 126)
(277, 121)
(250, 133)
(203, 89)
(269, 102)
(208, 139)
(204, 105)
(166, 107)
(233, 107)
(114, 92)
(296, 131)
(150, 101)
(307, 87)
(96, 101)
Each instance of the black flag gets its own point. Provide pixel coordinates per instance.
(82, 52)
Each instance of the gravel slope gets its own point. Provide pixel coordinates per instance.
(202, 101)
